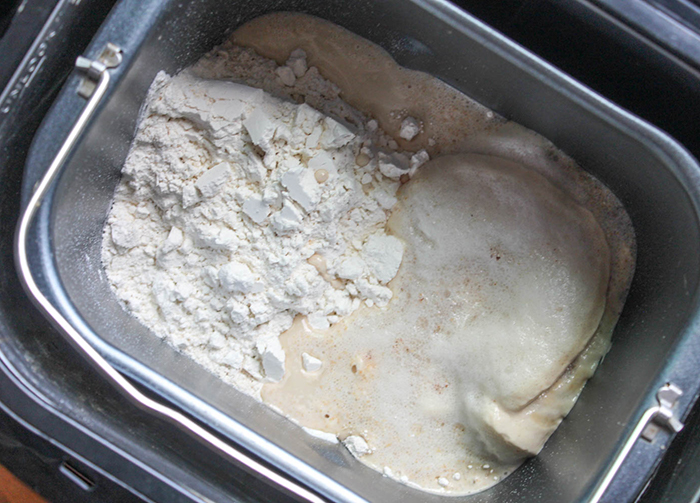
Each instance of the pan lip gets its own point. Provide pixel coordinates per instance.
(673, 155)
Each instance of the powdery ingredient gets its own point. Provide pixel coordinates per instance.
(239, 210)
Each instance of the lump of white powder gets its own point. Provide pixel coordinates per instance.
(232, 190)
(410, 128)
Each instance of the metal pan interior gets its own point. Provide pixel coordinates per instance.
(650, 174)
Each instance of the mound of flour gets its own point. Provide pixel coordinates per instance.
(241, 206)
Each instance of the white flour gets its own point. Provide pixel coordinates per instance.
(239, 210)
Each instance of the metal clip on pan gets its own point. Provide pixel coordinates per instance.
(93, 88)
(652, 421)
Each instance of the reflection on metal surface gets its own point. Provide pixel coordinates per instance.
(97, 75)
(76, 476)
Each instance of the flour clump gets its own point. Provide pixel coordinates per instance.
(227, 194)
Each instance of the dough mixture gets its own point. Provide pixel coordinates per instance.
(367, 250)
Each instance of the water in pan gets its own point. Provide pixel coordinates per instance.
(515, 267)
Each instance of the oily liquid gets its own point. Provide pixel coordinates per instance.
(345, 396)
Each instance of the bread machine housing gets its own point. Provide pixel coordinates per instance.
(655, 340)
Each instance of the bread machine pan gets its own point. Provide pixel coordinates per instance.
(69, 182)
